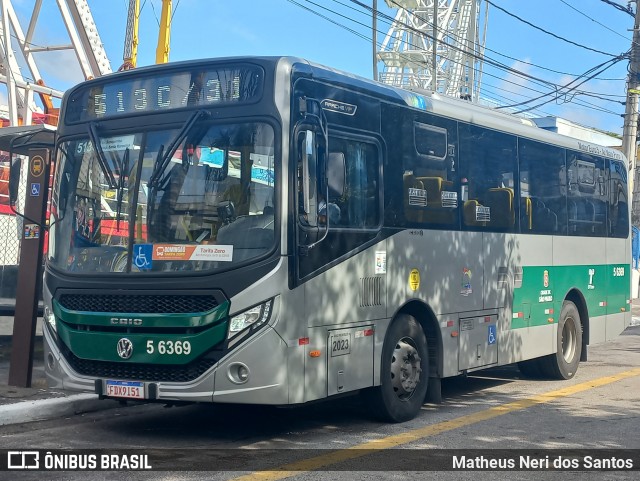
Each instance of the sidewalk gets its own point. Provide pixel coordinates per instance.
(37, 403)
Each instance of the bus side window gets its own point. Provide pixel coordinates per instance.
(358, 195)
(618, 203)
(542, 196)
(488, 165)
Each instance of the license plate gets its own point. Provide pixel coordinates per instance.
(126, 389)
(340, 344)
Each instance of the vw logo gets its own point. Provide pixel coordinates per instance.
(125, 348)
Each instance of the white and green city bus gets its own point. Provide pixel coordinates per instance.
(272, 231)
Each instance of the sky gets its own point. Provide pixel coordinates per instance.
(220, 28)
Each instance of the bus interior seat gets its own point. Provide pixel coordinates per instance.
(237, 194)
(436, 212)
(434, 187)
(469, 213)
(412, 213)
(248, 235)
(500, 201)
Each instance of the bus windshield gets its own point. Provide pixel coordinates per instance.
(200, 197)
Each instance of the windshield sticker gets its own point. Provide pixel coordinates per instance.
(121, 142)
(185, 252)
(142, 256)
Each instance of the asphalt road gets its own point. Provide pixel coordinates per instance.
(495, 409)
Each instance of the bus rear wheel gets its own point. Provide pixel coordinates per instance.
(405, 372)
(564, 363)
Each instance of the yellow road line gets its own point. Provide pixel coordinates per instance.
(292, 469)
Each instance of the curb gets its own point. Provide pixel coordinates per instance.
(47, 409)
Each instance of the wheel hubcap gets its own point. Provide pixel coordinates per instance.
(569, 339)
(405, 368)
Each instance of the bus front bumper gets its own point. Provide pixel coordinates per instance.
(254, 373)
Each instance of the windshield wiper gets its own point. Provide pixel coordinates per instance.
(104, 165)
(173, 146)
(152, 191)
(120, 189)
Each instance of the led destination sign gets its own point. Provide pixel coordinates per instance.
(161, 91)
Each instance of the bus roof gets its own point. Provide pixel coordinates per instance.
(450, 107)
(462, 110)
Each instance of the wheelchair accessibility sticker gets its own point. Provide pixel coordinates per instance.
(491, 338)
(142, 256)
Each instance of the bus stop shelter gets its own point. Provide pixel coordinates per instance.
(35, 142)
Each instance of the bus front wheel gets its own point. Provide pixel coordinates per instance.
(564, 363)
(404, 372)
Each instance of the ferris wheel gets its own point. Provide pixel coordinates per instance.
(436, 45)
(20, 56)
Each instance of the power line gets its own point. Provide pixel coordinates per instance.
(571, 89)
(486, 59)
(448, 34)
(564, 86)
(620, 7)
(507, 56)
(492, 62)
(595, 21)
(547, 31)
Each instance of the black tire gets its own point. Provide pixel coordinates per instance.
(404, 372)
(564, 363)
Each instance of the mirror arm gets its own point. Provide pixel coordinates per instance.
(304, 250)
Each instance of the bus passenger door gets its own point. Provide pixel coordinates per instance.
(344, 271)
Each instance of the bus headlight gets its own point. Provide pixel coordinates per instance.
(251, 319)
(49, 318)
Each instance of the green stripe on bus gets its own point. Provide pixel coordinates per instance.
(538, 301)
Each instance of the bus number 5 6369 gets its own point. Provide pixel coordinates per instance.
(169, 347)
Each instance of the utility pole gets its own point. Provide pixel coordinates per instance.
(374, 37)
(630, 128)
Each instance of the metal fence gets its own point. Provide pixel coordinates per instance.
(10, 236)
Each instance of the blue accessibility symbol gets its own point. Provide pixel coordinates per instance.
(491, 338)
(142, 256)
(35, 189)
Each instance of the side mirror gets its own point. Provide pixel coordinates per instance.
(309, 178)
(14, 180)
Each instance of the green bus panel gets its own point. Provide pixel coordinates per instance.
(538, 301)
